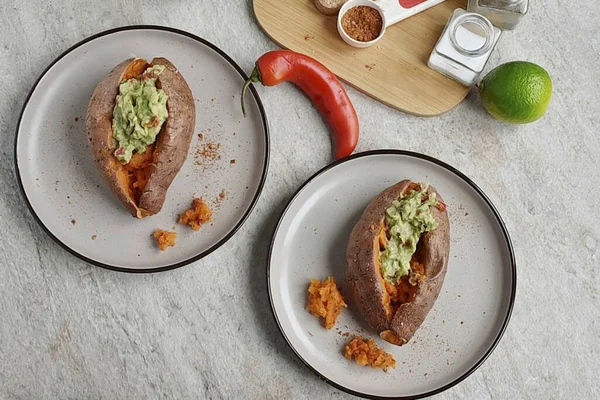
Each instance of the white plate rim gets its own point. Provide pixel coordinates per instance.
(498, 218)
(233, 230)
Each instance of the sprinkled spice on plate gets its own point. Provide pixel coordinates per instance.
(362, 23)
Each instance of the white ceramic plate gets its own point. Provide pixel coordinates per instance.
(72, 201)
(465, 323)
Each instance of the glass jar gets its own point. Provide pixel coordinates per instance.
(505, 14)
(465, 46)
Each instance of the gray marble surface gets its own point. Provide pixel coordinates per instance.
(70, 330)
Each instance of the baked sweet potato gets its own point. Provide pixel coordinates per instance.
(140, 178)
(395, 302)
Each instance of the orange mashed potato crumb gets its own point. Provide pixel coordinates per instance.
(197, 215)
(367, 353)
(325, 300)
(164, 239)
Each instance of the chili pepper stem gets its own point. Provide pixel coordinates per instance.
(254, 77)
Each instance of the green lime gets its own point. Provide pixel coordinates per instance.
(516, 92)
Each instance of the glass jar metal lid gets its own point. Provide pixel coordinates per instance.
(472, 34)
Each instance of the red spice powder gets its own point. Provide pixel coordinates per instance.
(362, 23)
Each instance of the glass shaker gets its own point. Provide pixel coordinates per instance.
(505, 14)
(465, 46)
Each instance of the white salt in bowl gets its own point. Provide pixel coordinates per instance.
(355, 3)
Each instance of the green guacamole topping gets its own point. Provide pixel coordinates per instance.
(139, 113)
(407, 218)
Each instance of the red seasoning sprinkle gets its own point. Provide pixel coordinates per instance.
(362, 23)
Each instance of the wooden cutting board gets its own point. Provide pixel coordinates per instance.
(393, 71)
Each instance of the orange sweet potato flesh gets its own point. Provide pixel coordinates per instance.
(197, 215)
(164, 239)
(395, 311)
(366, 352)
(139, 171)
(142, 184)
(325, 301)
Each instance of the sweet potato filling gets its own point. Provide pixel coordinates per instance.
(138, 170)
(136, 173)
(325, 301)
(406, 289)
(367, 353)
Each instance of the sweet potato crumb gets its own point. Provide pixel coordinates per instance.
(367, 353)
(325, 301)
(164, 239)
(73, 221)
(222, 194)
(94, 237)
(197, 215)
(232, 161)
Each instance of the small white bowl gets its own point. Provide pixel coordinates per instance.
(355, 3)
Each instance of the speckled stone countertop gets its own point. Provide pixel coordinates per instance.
(70, 330)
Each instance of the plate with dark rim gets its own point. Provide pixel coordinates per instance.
(226, 165)
(466, 322)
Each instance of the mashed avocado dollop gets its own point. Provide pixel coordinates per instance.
(407, 218)
(139, 113)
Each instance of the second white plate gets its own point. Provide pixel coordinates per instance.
(466, 322)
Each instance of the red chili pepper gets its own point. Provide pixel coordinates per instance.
(320, 84)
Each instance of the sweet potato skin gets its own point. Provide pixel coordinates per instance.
(172, 143)
(175, 137)
(364, 279)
